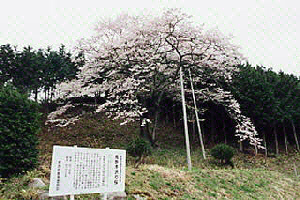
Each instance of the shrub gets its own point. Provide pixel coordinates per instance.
(139, 147)
(19, 123)
(222, 152)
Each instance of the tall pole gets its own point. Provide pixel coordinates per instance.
(187, 141)
(197, 117)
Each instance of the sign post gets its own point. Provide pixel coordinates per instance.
(84, 170)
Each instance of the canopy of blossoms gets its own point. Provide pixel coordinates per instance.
(130, 57)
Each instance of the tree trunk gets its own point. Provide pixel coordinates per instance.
(285, 140)
(187, 141)
(295, 135)
(197, 118)
(265, 144)
(142, 129)
(276, 141)
(144, 132)
(36, 94)
(45, 94)
(241, 146)
(213, 128)
(155, 125)
(174, 120)
(256, 150)
(52, 94)
(166, 121)
(224, 128)
(48, 95)
(203, 134)
(157, 112)
(194, 128)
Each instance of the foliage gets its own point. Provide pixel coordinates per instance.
(19, 124)
(31, 71)
(272, 96)
(222, 152)
(139, 147)
(7, 63)
(270, 99)
(252, 89)
(59, 66)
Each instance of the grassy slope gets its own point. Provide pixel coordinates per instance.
(164, 174)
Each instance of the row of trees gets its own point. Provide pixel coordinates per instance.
(271, 100)
(32, 71)
(23, 74)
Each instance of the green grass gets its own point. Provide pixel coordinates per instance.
(154, 182)
(18, 187)
(164, 174)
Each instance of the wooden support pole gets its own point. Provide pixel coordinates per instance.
(187, 140)
(197, 117)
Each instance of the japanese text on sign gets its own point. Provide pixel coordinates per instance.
(83, 170)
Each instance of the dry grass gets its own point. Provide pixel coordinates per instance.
(157, 182)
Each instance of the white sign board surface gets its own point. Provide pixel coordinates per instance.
(77, 170)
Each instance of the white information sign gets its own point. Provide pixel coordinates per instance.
(77, 170)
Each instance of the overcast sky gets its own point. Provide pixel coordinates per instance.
(268, 31)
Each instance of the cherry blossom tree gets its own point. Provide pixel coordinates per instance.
(132, 58)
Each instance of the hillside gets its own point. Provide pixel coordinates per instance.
(164, 174)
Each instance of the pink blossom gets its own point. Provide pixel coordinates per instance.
(139, 55)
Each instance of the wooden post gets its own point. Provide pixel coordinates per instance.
(197, 117)
(72, 196)
(105, 196)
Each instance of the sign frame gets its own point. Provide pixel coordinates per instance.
(77, 170)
